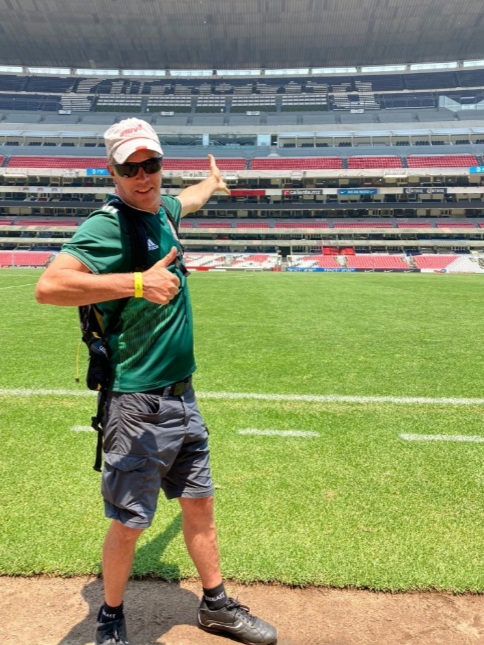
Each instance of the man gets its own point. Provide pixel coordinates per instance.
(155, 436)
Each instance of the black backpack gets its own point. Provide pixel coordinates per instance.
(93, 333)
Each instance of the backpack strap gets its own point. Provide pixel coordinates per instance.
(139, 261)
(136, 232)
(178, 263)
(97, 424)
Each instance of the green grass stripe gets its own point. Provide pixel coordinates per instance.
(358, 361)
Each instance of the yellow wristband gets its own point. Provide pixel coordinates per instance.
(138, 285)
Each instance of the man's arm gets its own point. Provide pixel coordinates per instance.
(68, 282)
(194, 197)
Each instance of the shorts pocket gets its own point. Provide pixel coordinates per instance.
(123, 481)
(126, 463)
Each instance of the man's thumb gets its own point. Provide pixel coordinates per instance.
(169, 257)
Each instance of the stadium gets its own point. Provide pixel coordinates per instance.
(337, 160)
(351, 135)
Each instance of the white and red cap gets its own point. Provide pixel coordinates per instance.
(128, 136)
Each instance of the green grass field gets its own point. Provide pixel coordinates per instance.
(343, 501)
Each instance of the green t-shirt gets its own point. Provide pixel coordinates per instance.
(153, 345)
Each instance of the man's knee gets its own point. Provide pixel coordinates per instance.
(124, 533)
(196, 504)
(197, 509)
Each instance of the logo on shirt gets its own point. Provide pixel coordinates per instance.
(152, 246)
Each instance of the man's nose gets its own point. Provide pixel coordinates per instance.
(142, 174)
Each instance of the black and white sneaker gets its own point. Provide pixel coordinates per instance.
(234, 619)
(112, 632)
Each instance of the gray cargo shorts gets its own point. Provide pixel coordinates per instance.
(152, 442)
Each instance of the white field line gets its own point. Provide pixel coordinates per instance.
(310, 398)
(247, 431)
(278, 433)
(82, 429)
(341, 398)
(41, 392)
(442, 437)
(15, 286)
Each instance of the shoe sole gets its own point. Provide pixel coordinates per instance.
(223, 632)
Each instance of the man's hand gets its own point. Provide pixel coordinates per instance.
(159, 284)
(194, 197)
(217, 175)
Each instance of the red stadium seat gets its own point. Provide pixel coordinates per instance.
(301, 224)
(296, 163)
(365, 224)
(46, 222)
(455, 224)
(316, 261)
(56, 162)
(257, 259)
(376, 262)
(374, 162)
(202, 163)
(24, 258)
(415, 224)
(435, 262)
(257, 224)
(214, 224)
(327, 262)
(442, 161)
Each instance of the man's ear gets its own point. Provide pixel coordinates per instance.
(110, 168)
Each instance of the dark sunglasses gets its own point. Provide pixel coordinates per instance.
(131, 168)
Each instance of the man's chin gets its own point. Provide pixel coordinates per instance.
(147, 203)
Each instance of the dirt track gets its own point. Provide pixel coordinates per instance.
(55, 611)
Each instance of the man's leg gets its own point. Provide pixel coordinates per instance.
(118, 555)
(219, 614)
(201, 538)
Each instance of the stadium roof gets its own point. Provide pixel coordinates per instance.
(247, 34)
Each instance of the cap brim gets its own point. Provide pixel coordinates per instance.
(126, 149)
